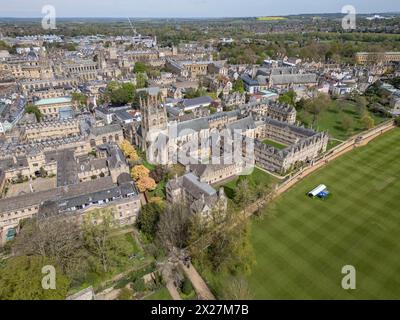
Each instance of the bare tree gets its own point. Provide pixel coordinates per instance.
(173, 227)
(238, 289)
(55, 237)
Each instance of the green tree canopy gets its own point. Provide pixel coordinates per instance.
(105, 249)
(148, 219)
(21, 279)
(140, 67)
(32, 109)
(288, 98)
(367, 121)
(120, 93)
(238, 86)
(141, 80)
(79, 98)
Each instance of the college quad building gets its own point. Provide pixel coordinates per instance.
(260, 122)
(83, 182)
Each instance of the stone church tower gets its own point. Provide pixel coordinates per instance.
(154, 129)
(154, 115)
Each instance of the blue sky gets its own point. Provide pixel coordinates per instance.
(188, 8)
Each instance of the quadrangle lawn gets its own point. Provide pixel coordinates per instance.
(275, 144)
(302, 244)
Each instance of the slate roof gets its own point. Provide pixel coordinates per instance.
(97, 131)
(195, 124)
(85, 193)
(196, 188)
(187, 103)
(248, 80)
(293, 78)
(242, 124)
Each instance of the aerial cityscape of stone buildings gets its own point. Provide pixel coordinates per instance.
(74, 146)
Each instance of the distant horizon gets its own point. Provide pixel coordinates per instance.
(199, 17)
(190, 9)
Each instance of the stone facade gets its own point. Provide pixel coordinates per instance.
(377, 57)
(50, 129)
(51, 108)
(78, 199)
(200, 196)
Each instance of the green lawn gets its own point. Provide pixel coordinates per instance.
(302, 244)
(161, 294)
(257, 177)
(331, 119)
(95, 279)
(274, 144)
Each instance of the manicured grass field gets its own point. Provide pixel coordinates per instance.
(274, 144)
(302, 244)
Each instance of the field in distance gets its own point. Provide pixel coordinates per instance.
(271, 18)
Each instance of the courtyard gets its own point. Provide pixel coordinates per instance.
(39, 184)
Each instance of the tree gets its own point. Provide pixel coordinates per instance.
(140, 67)
(317, 105)
(238, 86)
(288, 98)
(367, 121)
(222, 244)
(125, 294)
(397, 121)
(361, 105)
(141, 80)
(106, 250)
(238, 289)
(4, 46)
(230, 249)
(347, 123)
(21, 279)
(148, 219)
(119, 93)
(31, 109)
(55, 237)
(146, 184)
(244, 194)
(79, 98)
(186, 287)
(159, 173)
(191, 93)
(173, 227)
(139, 172)
(129, 150)
(139, 95)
